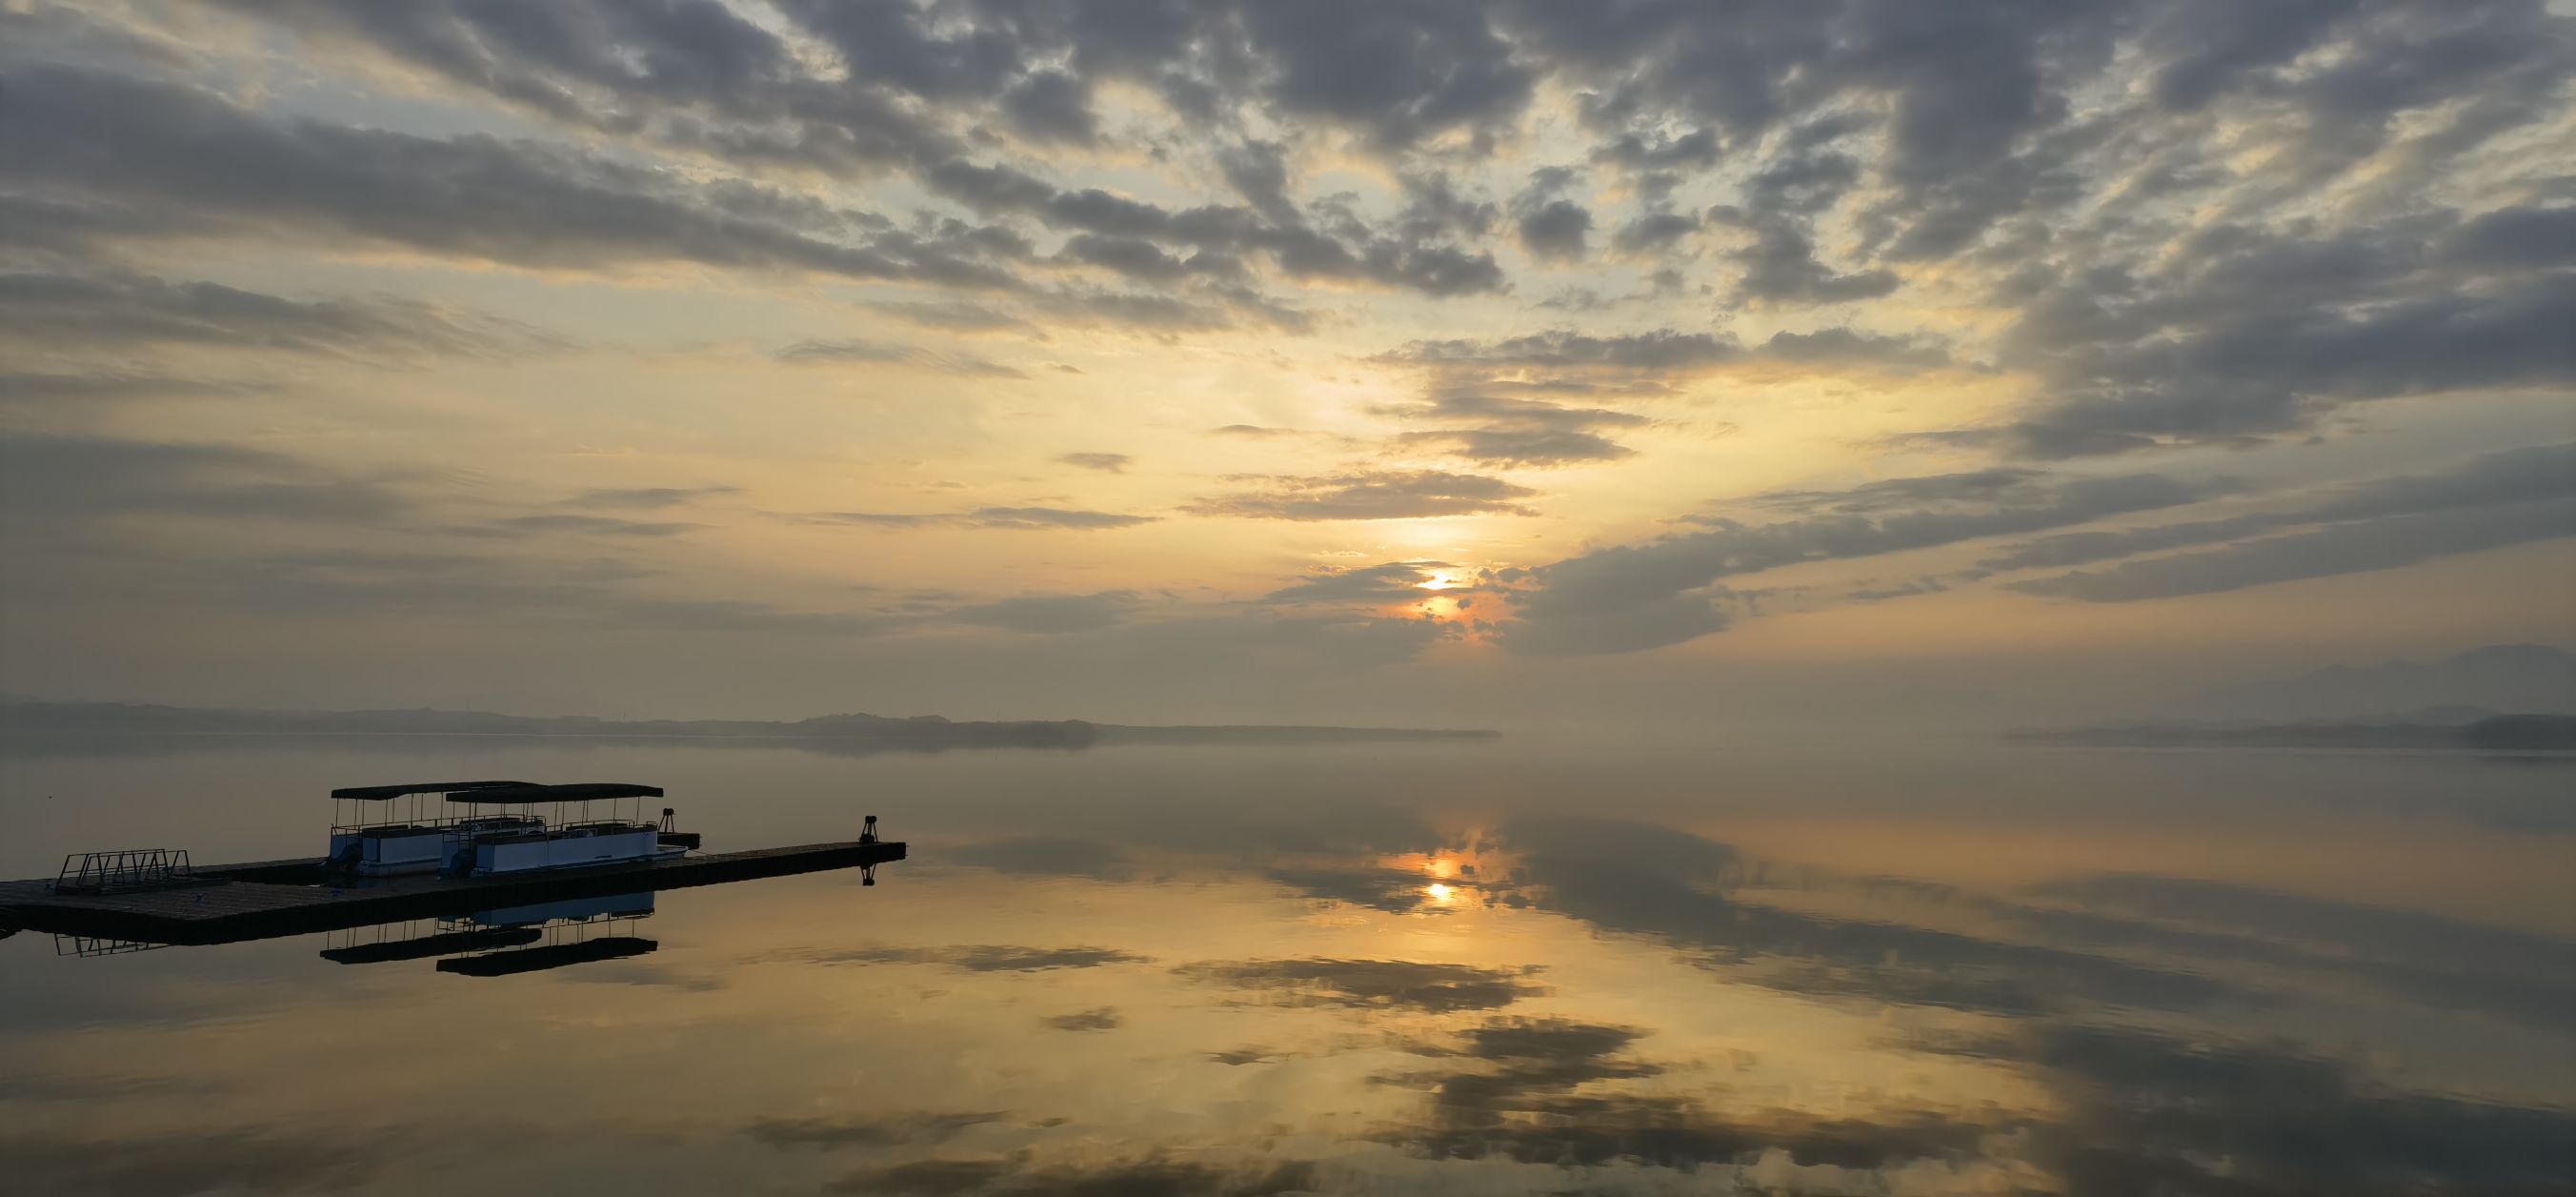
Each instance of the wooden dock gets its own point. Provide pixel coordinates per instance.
(267, 899)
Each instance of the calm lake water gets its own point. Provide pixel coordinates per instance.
(1434, 968)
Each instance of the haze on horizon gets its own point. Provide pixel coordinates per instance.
(1516, 364)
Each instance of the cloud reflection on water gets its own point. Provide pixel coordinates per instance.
(1168, 988)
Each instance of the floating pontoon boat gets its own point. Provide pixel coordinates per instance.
(393, 830)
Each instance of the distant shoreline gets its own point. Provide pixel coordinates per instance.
(22, 720)
(2501, 733)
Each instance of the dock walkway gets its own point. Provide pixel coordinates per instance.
(267, 899)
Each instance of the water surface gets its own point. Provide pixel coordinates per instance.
(1450, 968)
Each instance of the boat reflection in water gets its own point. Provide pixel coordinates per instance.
(507, 941)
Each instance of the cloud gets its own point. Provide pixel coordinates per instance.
(1022, 1178)
(1370, 984)
(2250, 333)
(1630, 597)
(131, 311)
(1052, 517)
(954, 316)
(915, 356)
(1045, 856)
(1781, 270)
(1557, 349)
(647, 498)
(589, 525)
(2340, 549)
(1395, 891)
(825, 1134)
(519, 204)
(1552, 228)
(2293, 1122)
(54, 477)
(2531, 474)
(1521, 447)
(1556, 1092)
(981, 958)
(1007, 518)
(1666, 351)
(1640, 879)
(1107, 463)
(1394, 581)
(1043, 613)
(1654, 233)
(105, 386)
(1500, 430)
(1369, 495)
(1102, 1019)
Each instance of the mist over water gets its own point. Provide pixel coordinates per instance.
(1417, 968)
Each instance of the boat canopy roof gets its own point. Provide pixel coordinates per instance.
(580, 791)
(423, 787)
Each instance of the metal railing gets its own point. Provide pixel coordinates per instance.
(93, 945)
(123, 871)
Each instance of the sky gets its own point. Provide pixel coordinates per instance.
(1518, 364)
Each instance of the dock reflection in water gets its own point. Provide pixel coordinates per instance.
(518, 939)
(1231, 974)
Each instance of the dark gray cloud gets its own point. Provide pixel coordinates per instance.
(2291, 1122)
(1653, 234)
(73, 478)
(1394, 581)
(1051, 612)
(1552, 227)
(2513, 476)
(516, 203)
(1781, 270)
(955, 316)
(1522, 447)
(1009, 518)
(1560, 1092)
(2338, 549)
(981, 958)
(2249, 333)
(1051, 106)
(253, 1157)
(106, 386)
(1102, 1019)
(1559, 349)
(1665, 351)
(1631, 597)
(131, 311)
(888, 353)
(647, 498)
(825, 1134)
(1019, 1178)
(1370, 495)
(1967, 110)
(1640, 879)
(1371, 984)
(1504, 430)
(590, 525)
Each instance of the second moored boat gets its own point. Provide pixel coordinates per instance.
(500, 829)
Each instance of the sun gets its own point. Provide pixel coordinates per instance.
(1436, 582)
